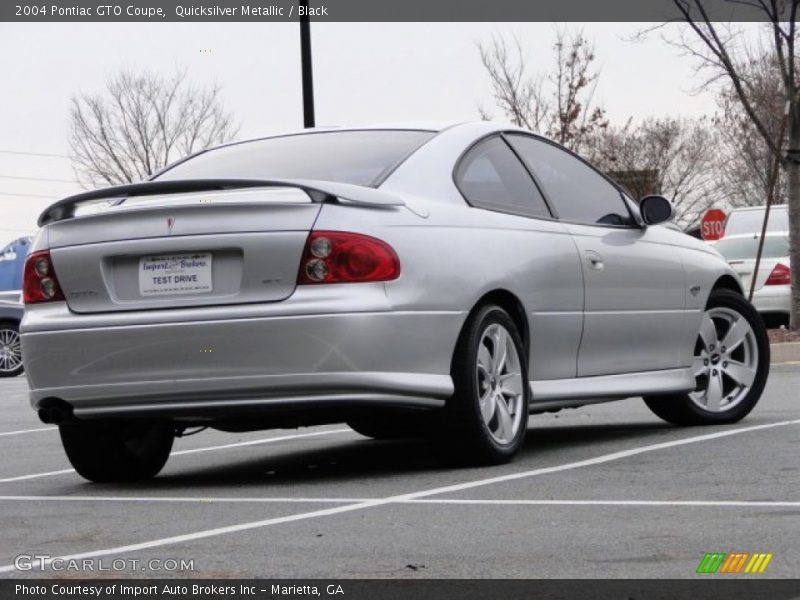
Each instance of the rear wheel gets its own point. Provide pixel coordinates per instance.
(10, 349)
(731, 363)
(487, 417)
(117, 452)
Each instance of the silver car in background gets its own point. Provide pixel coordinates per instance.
(416, 281)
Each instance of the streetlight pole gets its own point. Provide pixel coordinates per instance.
(305, 62)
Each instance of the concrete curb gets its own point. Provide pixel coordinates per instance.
(787, 352)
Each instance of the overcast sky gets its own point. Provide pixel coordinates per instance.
(364, 73)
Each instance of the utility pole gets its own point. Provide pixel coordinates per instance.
(305, 61)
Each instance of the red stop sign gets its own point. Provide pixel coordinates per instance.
(712, 226)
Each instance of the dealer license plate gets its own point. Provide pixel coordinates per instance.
(170, 274)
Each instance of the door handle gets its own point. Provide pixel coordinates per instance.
(595, 260)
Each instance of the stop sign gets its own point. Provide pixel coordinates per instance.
(712, 226)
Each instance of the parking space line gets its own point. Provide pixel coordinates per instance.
(282, 438)
(36, 475)
(451, 501)
(196, 451)
(248, 526)
(190, 499)
(21, 431)
(698, 503)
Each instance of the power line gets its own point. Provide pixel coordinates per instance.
(33, 153)
(39, 179)
(28, 195)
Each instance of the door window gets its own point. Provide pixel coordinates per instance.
(577, 192)
(490, 176)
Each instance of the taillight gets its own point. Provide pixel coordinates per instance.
(40, 283)
(781, 275)
(339, 257)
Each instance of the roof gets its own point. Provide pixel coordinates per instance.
(739, 236)
(761, 207)
(433, 126)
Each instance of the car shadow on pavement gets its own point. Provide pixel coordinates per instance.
(349, 460)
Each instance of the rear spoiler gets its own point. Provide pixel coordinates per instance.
(318, 191)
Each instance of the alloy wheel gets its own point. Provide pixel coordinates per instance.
(10, 351)
(500, 384)
(725, 360)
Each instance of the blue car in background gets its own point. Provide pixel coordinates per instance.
(12, 261)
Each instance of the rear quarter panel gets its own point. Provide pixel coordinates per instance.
(455, 255)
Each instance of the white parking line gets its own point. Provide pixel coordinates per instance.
(699, 503)
(36, 475)
(21, 431)
(453, 501)
(195, 451)
(282, 438)
(190, 499)
(402, 498)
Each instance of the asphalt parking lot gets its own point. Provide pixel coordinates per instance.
(602, 491)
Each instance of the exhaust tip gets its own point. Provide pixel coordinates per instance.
(54, 411)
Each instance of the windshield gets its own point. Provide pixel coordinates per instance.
(357, 157)
(746, 248)
(750, 221)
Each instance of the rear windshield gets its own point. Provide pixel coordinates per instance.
(746, 248)
(750, 221)
(357, 157)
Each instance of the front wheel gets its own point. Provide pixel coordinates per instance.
(731, 364)
(109, 451)
(487, 417)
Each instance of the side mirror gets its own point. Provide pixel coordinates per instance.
(655, 209)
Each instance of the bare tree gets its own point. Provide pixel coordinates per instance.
(721, 52)
(749, 171)
(670, 156)
(141, 123)
(558, 103)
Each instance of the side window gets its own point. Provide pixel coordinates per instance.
(578, 192)
(491, 177)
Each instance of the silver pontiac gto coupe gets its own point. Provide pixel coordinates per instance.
(415, 281)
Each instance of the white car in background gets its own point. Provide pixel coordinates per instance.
(772, 292)
(751, 218)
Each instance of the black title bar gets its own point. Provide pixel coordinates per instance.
(701, 588)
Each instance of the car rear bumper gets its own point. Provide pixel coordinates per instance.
(773, 299)
(233, 365)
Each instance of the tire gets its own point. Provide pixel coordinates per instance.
(10, 349)
(392, 427)
(730, 377)
(117, 452)
(487, 417)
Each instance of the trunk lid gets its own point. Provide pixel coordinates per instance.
(746, 268)
(183, 250)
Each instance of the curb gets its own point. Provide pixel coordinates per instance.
(787, 352)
